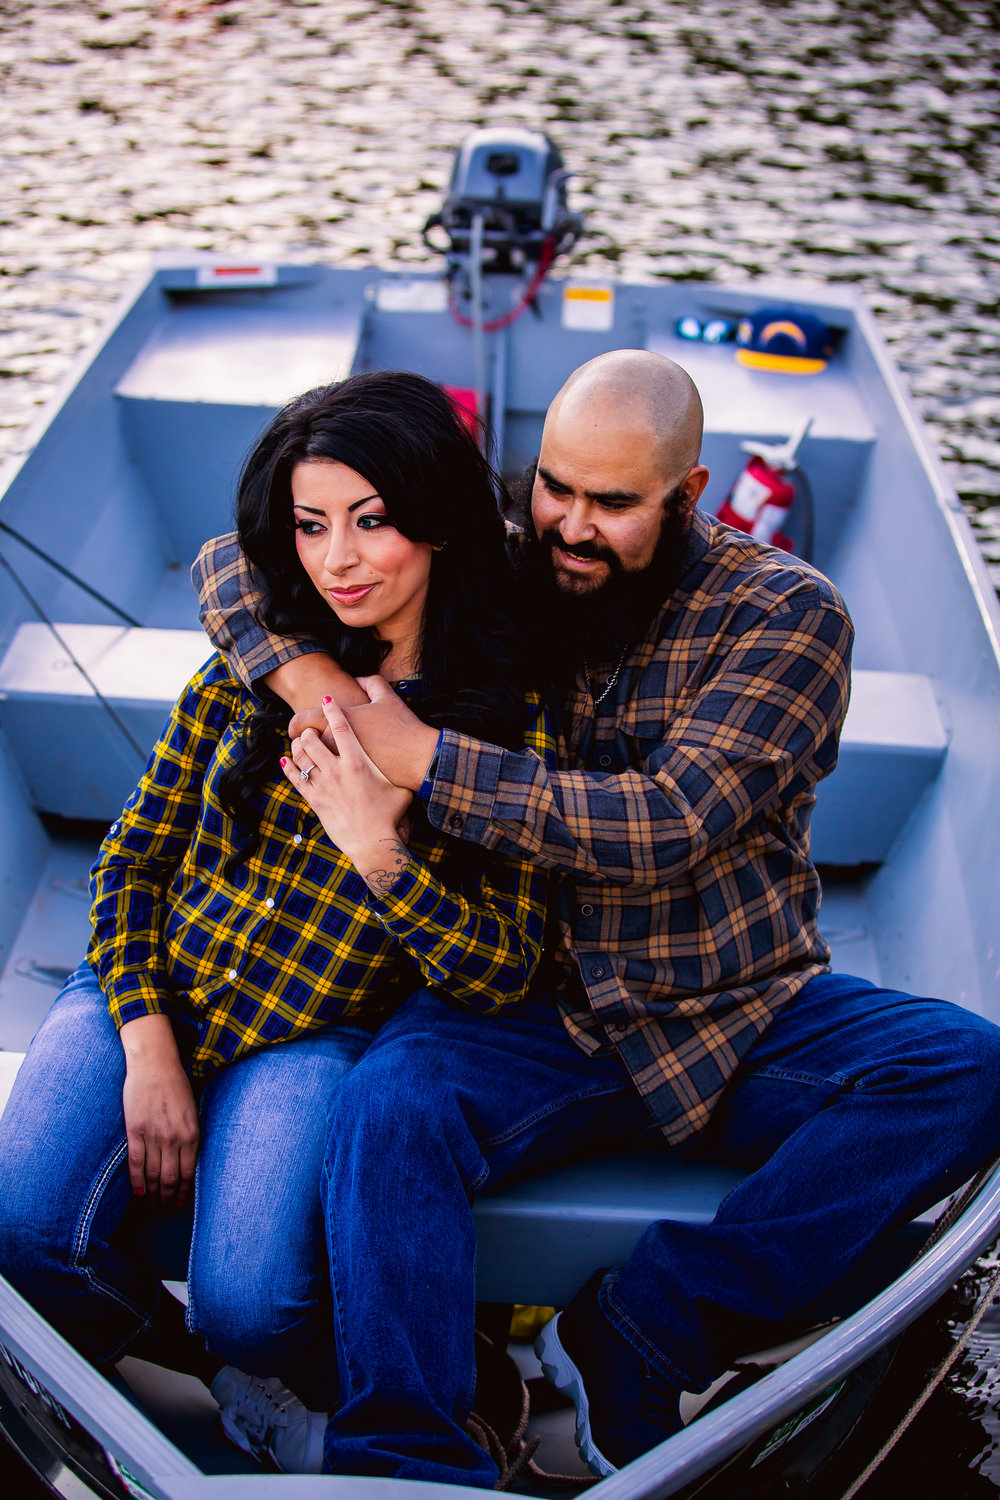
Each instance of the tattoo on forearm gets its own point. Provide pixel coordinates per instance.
(397, 859)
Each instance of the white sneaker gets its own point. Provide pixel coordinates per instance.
(263, 1418)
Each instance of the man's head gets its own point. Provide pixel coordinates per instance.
(618, 466)
(612, 496)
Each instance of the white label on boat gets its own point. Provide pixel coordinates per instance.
(132, 1485)
(588, 307)
(802, 1419)
(237, 275)
(411, 296)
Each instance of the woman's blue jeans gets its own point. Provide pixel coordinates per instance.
(257, 1279)
(856, 1110)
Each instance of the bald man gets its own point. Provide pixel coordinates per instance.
(700, 680)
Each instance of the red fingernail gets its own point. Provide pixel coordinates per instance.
(140, 1192)
(327, 700)
(284, 763)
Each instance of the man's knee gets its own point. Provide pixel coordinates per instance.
(973, 1045)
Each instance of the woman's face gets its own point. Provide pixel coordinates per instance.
(369, 573)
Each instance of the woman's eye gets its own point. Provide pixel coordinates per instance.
(373, 523)
(308, 528)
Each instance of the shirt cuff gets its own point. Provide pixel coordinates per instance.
(132, 996)
(426, 787)
(465, 785)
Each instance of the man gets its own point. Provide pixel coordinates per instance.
(702, 681)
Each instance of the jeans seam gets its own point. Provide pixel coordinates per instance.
(191, 1311)
(551, 1108)
(792, 1075)
(620, 1320)
(81, 1240)
(338, 1323)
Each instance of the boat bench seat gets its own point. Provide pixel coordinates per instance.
(891, 749)
(539, 1238)
(79, 765)
(75, 759)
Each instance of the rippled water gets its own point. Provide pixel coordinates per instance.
(822, 138)
(839, 140)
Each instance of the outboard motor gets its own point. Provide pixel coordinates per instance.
(513, 182)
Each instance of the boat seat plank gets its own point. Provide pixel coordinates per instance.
(204, 385)
(78, 765)
(238, 355)
(76, 761)
(892, 748)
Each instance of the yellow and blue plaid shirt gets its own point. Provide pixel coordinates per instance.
(678, 816)
(294, 940)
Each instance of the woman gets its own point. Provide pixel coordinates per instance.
(255, 919)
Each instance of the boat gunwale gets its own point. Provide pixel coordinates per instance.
(724, 1431)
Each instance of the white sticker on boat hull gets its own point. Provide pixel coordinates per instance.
(411, 296)
(239, 275)
(591, 308)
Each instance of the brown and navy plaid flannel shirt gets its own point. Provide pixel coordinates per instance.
(680, 814)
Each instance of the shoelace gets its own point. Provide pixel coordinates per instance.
(262, 1407)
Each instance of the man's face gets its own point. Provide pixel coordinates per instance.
(598, 497)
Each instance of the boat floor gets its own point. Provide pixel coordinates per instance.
(183, 1409)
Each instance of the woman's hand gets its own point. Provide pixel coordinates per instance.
(359, 808)
(161, 1117)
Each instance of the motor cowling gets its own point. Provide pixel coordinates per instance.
(515, 180)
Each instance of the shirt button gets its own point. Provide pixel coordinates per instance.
(296, 838)
(605, 760)
(456, 820)
(232, 973)
(114, 828)
(597, 972)
(269, 903)
(586, 910)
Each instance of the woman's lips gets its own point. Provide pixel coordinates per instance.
(351, 595)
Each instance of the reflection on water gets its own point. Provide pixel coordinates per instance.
(832, 139)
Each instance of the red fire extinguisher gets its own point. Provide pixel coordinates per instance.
(762, 496)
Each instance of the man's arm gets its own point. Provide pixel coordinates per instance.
(760, 731)
(292, 666)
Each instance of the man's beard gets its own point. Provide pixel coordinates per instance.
(571, 627)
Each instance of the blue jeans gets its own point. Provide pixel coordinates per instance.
(857, 1109)
(257, 1279)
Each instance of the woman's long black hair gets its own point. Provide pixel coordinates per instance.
(405, 437)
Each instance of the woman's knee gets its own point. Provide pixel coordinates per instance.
(253, 1321)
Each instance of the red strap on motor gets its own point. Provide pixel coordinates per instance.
(545, 259)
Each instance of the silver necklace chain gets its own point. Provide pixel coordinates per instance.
(612, 680)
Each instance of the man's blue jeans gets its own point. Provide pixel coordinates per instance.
(257, 1278)
(858, 1108)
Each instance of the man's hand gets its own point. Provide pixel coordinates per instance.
(161, 1117)
(359, 809)
(400, 744)
(310, 718)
